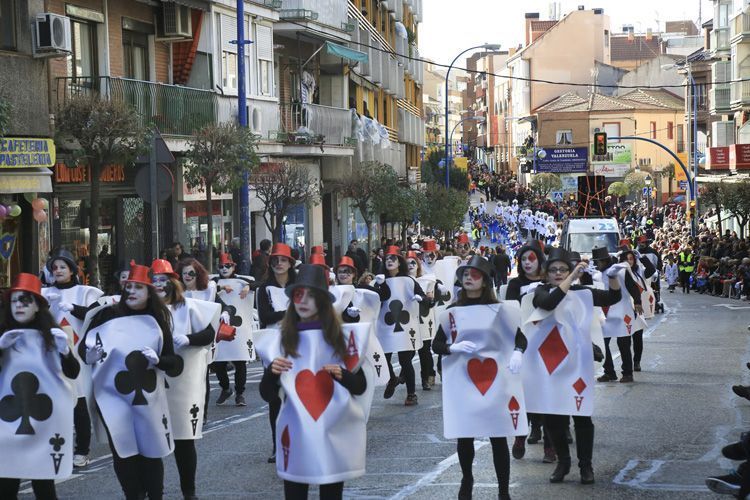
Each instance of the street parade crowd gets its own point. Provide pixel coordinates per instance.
(513, 331)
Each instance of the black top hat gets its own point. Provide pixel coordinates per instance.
(64, 255)
(557, 255)
(310, 276)
(600, 253)
(575, 257)
(624, 251)
(480, 264)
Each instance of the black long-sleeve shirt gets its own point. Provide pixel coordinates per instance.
(513, 292)
(385, 292)
(70, 365)
(548, 297)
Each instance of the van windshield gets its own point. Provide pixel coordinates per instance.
(584, 242)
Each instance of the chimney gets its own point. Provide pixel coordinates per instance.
(530, 16)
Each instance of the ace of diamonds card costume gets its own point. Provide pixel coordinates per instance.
(621, 318)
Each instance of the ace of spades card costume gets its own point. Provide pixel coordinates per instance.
(368, 303)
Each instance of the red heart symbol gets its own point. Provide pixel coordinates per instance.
(606, 310)
(315, 391)
(513, 404)
(482, 373)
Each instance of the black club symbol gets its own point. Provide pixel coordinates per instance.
(412, 332)
(250, 347)
(57, 441)
(376, 357)
(25, 403)
(234, 319)
(396, 315)
(194, 411)
(176, 370)
(137, 378)
(424, 310)
(164, 421)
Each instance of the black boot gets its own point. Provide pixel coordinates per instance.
(467, 485)
(585, 450)
(536, 434)
(560, 443)
(562, 469)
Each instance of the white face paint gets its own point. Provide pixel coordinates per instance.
(189, 277)
(391, 263)
(23, 307)
(280, 265)
(472, 280)
(161, 283)
(412, 265)
(530, 263)
(62, 272)
(304, 303)
(137, 295)
(226, 270)
(122, 278)
(345, 275)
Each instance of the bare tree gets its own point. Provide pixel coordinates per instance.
(543, 184)
(281, 186)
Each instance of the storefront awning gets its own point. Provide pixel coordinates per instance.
(26, 180)
(346, 53)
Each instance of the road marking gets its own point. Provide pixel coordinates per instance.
(732, 306)
(639, 480)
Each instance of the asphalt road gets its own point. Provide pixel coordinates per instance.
(656, 438)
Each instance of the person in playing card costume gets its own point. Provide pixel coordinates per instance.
(397, 326)
(37, 396)
(427, 319)
(319, 373)
(558, 371)
(482, 391)
(642, 270)
(194, 278)
(130, 347)
(236, 299)
(194, 330)
(272, 305)
(69, 303)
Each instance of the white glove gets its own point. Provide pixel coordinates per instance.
(379, 279)
(180, 340)
(465, 346)
(612, 271)
(8, 339)
(637, 254)
(65, 306)
(224, 318)
(418, 298)
(61, 341)
(516, 359)
(352, 311)
(94, 354)
(53, 296)
(151, 356)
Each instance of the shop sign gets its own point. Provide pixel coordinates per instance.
(18, 152)
(81, 174)
(618, 153)
(739, 156)
(718, 158)
(561, 160)
(608, 170)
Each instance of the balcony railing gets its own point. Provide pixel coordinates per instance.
(740, 93)
(315, 124)
(262, 116)
(740, 27)
(719, 97)
(332, 13)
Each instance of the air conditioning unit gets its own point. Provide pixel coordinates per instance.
(52, 35)
(176, 20)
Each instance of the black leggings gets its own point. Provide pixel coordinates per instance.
(44, 489)
(274, 407)
(500, 458)
(407, 369)
(623, 344)
(537, 420)
(187, 463)
(139, 474)
(637, 347)
(426, 363)
(584, 429)
(82, 425)
(298, 491)
(240, 375)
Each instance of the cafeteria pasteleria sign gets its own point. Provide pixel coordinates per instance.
(562, 160)
(18, 152)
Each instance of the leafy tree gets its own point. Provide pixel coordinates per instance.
(444, 208)
(736, 200)
(668, 173)
(101, 133)
(543, 184)
(712, 194)
(619, 189)
(432, 172)
(216, 161)
(280, 187)
(399, 204)
(363, 185)
(636, 180)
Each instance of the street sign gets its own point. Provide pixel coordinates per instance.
(557, 195)
(647, 191)
(683, 185)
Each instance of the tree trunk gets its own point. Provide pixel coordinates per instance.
(369, 243)
(94, 223)
(209, 238)
(279, 229)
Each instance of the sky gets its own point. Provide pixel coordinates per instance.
(450, 26)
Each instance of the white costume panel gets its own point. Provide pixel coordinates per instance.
(344, 295)
(398, 320)
(368, 303)
(209, 294)
(278, 300)
(36, 411)
(621, 316)
(558, 365)
(481, 397)
(427, 321)
(241, 317)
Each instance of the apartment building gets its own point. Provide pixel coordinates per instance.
(434, 102)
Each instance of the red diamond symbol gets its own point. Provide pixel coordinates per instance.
(651, 299)
(606, 310)
(640, 289)
(627, 319)
(579, 385)
(553, 350)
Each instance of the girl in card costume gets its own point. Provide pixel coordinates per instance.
(558, 371)
(69, 303)
(194, 278)
(482, 391)
(323, 433)
(272, 305)
(427, 319)
(642, 270)
(194, 330)
(398, 321)
(130, 346)
(37, 396)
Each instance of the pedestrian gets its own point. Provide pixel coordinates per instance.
(34, 352)
(259, 267)
(194, 278)
(377, 264)
(501, 264)
(671, 273)
(309, 449)
(482, 333)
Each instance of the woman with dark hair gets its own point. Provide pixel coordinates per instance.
(130, 347)
(312, 345)
(194, 329)
(34, 352)
(195, 279)
(483, 333)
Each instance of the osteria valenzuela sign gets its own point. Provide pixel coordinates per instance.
(18, 152)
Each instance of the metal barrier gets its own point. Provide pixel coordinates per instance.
(313, 123)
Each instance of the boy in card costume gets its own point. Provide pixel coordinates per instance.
(482, 390)
(558, 371)
(195, 323)
(318, 371)
(129, 346)
(37, 369)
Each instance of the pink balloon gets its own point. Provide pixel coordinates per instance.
(40, 215)
(3, 211)
(38, 203)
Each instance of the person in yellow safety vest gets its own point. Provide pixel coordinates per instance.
(685, 266)
(476, 236)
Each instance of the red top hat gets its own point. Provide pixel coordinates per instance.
(429, 246)
(25, 282)
(393, 250)
(625, 242)
(317, 249)
(317, 259)
(346, 261)
(412, 255)
(139, 274)
(225, 258)
(281, 250)
(642, 239)
(161, 266)
(463, 238)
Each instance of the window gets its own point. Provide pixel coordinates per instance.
(264, 50)
(135, 55)
(606, 38)
(7, 25)
(228, 70)
(680, 139)
(652, 128)
(564, 137)
(670, 130)
(612, 129)
(83, 60)
(226, 27)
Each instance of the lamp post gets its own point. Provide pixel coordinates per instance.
(648, 181)
(486, 46)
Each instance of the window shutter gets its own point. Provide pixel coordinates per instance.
(721, 72)
(264, 42)
(228, 33)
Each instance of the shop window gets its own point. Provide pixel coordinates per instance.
(135, 55)
(83, 60)
(7, 24)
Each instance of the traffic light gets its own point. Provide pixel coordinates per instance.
(691, 210)
(600, 144)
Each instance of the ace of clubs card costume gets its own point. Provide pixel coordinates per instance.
(241, 348)
(398, 320)
(427, 321)
(368, 303)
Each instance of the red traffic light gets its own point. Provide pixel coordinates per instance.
(600, 144)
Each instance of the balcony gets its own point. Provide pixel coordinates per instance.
(262, 115)
(332, 13)
(740, 95)
(719, 97)
(720, 40)
(314, 124)
(740, 28)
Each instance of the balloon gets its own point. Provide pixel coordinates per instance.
(29, 196)
(45, 203)
(37, 203)
(3, 211)
(15, 210)
(40, 215)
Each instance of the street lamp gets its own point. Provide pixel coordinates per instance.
(487, 46)
(648, 181)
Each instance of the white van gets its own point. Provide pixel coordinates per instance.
(581, 235)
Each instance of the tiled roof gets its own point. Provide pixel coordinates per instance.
(655, 98)
(635, 100)
(542, 25)
(622, 49)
